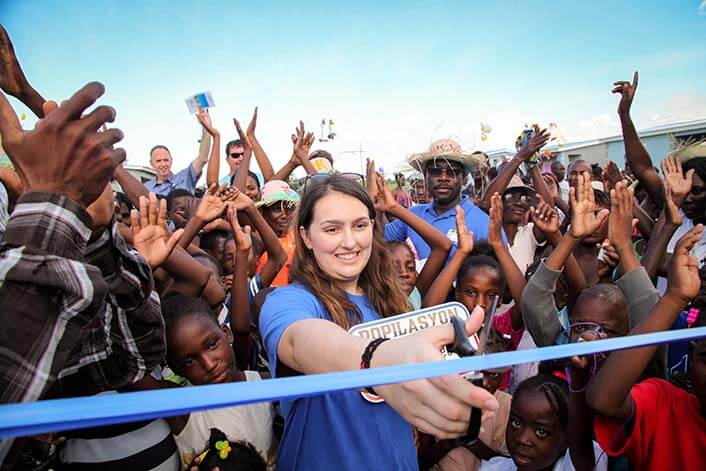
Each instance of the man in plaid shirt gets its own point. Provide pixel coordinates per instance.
(79, 313)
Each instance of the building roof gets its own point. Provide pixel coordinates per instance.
(678, 128)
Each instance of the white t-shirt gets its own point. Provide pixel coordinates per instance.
(699, 250)
(252, 423)
(524, 246)
(564, 463)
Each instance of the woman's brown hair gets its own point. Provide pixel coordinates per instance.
(377, 280)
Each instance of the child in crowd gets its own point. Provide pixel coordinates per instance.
(201, 351)
(414, 285)
(655, 424)
(226, 455)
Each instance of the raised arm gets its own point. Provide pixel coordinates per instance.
(260, 156)
(211, 207)
(439, 290)
(241, 177)
(500, 183)
(132, 187)
(676, 186)
(609, 392)
(239, 306)
(635, 153)
(440, 244)
(514, 278)
(13, 80)
(276, 256)
(214, 161)
(202, 158)
(301, 142)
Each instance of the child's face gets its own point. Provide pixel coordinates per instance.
(492, 379)
(697, 371)
(405, 266)
(228, 257)
(534, 435)
(478, 287)
(251, 189)
(180, 211)
(598, 311)
(201, 351)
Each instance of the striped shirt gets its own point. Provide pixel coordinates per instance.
(79, 312)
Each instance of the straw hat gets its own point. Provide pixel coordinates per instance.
(450, 150)
(275, 191)
(689, 150)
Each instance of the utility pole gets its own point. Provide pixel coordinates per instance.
(360, 156)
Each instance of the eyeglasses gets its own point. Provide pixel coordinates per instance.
(513, 197)
(582, 332)
(452, 172)
(236, 155)
(323, 178)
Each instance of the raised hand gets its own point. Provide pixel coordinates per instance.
(214, 202)
(584, 218)
(149, 231)
(205, 119)
(545, 218)
(627, 93)
(241, 200)
(242, 236)
(82, 158)
(611, 175)
(302, 141)
(385, 200)
(13, 80)
(552, 185)
(465, 237)
(679, 184)
(371, 180)
(621, 216)
(253, 124)
(683, 269)
(495, 227)
(538, 140)
(243, 137)
(671, 210)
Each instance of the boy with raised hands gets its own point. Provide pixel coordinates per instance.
(654, 424)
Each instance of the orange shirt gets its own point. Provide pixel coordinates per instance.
(282, 278)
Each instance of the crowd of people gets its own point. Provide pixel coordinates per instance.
(165, 284)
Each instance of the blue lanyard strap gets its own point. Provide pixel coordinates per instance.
(67, 414)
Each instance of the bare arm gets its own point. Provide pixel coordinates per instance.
(514, 278)
(609, 392)
(202, 158)
(132, 187)
(635, 153)
(276, 256)
(262, 160)
(439, 290)
(500, 183)
(239, 307)
(440, 244)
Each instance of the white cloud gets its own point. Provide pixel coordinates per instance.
(681, 108)
(702, 8)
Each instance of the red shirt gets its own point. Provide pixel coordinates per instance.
(669, 431)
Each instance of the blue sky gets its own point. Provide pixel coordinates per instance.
(394, 76)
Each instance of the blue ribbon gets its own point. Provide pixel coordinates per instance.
(67, 414)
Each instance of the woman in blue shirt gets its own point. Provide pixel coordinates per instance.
(342, 276)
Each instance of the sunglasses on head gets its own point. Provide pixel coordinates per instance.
(235, 155)
(325, 177)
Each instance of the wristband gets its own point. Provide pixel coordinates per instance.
(368, 355)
